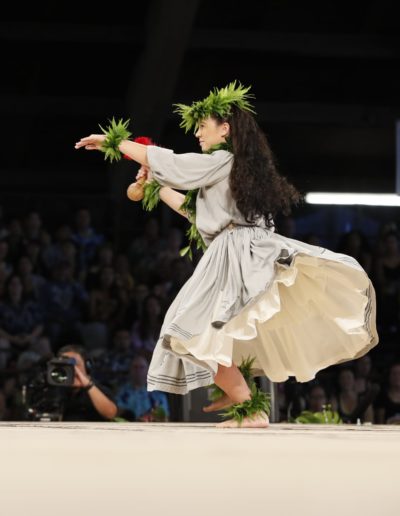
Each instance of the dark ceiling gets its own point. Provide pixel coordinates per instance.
(326, 76)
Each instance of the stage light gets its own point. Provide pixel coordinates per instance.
(370, 199)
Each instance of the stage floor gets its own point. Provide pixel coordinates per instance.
(139, 469)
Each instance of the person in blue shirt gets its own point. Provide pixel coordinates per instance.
(135, 402)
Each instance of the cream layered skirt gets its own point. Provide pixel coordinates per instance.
(296, 307)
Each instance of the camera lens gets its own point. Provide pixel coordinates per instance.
(59, 375)
(61, 371)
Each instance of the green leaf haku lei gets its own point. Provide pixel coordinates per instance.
(218, 102)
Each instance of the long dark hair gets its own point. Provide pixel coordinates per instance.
(256, 186)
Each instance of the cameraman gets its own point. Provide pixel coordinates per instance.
(85, 400)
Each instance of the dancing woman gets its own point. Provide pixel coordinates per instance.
(295, 308)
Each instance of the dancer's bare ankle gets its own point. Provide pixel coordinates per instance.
(222, 402)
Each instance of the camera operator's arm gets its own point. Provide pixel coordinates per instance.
(104, 406)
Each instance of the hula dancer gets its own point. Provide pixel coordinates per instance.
(258, 303)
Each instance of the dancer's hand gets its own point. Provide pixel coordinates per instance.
(146, 173)
(92, 142)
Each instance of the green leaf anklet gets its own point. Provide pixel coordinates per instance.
(260, 402)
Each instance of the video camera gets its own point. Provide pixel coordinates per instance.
(44, 391)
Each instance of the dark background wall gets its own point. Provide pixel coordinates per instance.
(325, 75)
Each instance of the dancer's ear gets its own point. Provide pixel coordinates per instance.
(225, 128)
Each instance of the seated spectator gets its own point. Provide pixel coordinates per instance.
(146, 330)
(5, 264)
(69, 253)
(86, 239)
(3, 227)
(123, 276)
(351, 405)
(174, 244)
(316, 398)
(15, 239)
(135, 306)
(355, 244)
(21, 318)
(64, 301)
(134, 402)
(33, 229)
(33, 250)
(11, 392)
(363, 374)
(106, 306)
(181, 270)
(104, 258)
(3, 280)
(42, 346)
(54, 253)
(86, 400)
(292, 401)
(3, 407)
(115, 364)
(387, 404)
(31, 282)
(144, 251)
(387, 281)
(26, 362)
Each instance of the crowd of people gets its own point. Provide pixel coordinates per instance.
(70, 286)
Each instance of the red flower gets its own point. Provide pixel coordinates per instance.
(144, 140)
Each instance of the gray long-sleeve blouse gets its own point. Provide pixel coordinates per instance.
(215, 206)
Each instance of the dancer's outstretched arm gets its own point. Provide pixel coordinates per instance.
(180, 171)
(136, 151)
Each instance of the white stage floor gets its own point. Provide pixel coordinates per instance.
(139, 469)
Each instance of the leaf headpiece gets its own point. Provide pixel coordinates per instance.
(218, 102)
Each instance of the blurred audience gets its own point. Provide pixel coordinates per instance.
(387, 404)
(21, 320)
(146, 330)
(135, 402)
(351, 405)
(72, 284)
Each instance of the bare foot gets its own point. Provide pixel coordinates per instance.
(220, 403)
(259, 420)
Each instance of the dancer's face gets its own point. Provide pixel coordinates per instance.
(210, 133)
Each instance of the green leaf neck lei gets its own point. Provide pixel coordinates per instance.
(189, 205)
(152, 197)
(220, 146)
